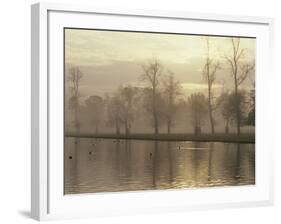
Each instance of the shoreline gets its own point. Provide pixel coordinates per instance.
(220, 137)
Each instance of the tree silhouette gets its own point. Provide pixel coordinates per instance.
(239, 71)
(198, 107)
(74, 78)
(209, 74)
(95, 108)
(152, 72)
(229, 103)
(114, 112)
(171, 90)
(128, 97)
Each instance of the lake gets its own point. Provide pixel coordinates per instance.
(110, 165)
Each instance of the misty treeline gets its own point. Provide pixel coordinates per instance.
(160, 101)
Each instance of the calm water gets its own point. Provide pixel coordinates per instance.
(108, 165)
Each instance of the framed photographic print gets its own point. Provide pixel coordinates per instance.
(148, 111)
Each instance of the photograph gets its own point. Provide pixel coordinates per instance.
(157, 111)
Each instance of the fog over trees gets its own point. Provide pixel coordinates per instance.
(152, 72)
(209, 74)
(94, 111)
(73, 79)
(159, 104)
(197, 103)
(171, 91)
(239, 71)
(148, 110)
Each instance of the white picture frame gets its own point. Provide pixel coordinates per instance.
(47, 198)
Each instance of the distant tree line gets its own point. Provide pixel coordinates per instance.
(162, 97)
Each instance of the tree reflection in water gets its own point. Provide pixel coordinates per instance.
(123, 165)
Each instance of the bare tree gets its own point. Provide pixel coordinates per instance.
(171, 90)
(128, 96)
(114, 113)
(226, 109)
(228, 105)
(151, 74)
(209, 74)
(252, 100)
(147, 104)
(252, 112)
(239, 71)
(95, 108)
(74, 79)
(197, 103)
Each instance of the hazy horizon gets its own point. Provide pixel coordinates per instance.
(148, 111)
(109, 59)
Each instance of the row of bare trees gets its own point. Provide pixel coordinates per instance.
(162, 91)
(122, 109)
(162, 96)
(239, 70)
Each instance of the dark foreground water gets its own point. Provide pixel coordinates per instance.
(108, 165)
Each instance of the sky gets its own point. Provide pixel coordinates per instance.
(109, 59)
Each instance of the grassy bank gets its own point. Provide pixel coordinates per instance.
(242, 138)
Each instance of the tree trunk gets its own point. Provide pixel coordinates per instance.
(127, 128)
(155, 118)
(211, 119)
(76, 117)
(238, 121)
(210, 109)
(97, 129)
(169, 126)
(117, 128)
(156, 131)
(226, 129)
(197, 130)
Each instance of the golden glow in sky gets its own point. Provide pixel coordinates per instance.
(110, 56)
